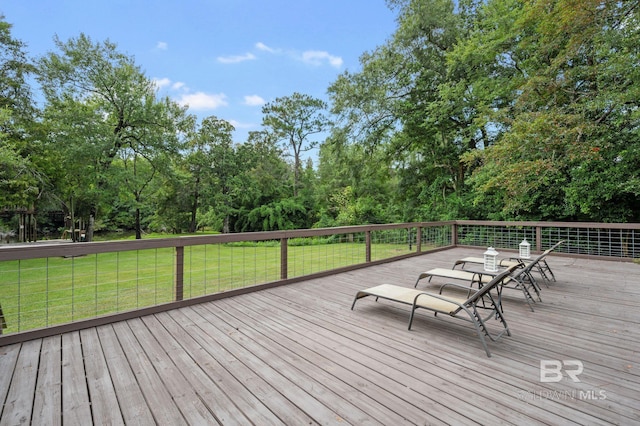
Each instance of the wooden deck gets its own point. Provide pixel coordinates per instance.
(298, 355)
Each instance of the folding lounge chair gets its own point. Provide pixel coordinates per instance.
(481, 306)
(518, 280)
(472, 277)
(542, 267)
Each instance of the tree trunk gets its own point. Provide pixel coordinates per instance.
(72, 215)
(194, 207)
(138, 225)
(92, 222)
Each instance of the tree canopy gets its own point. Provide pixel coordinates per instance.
(497, 109)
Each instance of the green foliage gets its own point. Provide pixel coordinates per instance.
(288, 213)
(20, 182)
(576, 112)
(293, 120)
(499, 109)
(100, 109)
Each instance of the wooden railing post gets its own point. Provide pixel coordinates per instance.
(179, 279)
(367, 243)
(454, 234)
(284, 259)
(538, 238)
(419, 239)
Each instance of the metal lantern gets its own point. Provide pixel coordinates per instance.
(491, 260)
(525, 249)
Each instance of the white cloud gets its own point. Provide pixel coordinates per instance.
(162, 45)
(203, 101)
(236, 59)
(318, 57)
(261, 46)
(254, 100)
(161, 82)
(239, 125)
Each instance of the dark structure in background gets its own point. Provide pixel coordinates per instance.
(22, 225)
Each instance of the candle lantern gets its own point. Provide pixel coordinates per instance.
(491, 260)
(525, 249)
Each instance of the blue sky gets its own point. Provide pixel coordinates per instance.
(222, 57)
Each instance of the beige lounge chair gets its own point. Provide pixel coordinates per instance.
(472, 277)
(520, 279)
(483, 305)
(542, 267)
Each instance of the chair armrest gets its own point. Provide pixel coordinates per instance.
(469, 287)
(459, 262)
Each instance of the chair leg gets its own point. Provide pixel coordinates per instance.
(541, 270)
(534, 283)
(547, 268)
(481, 329)
(527, 296)
(413, 311)
(355, 299)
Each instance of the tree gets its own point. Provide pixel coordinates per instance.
(293, 119)
(20, 181)
(134, 175)
(397, 103)
(225, 168)
(98, 104)
(209, 162)
(355, 185)
(574, 121)
(264, 181)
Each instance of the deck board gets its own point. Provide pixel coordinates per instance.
(49, 384)
(101, 391)
(76, 405)
(156, 394)
(131, 403)
(18, 405)
(298, 354)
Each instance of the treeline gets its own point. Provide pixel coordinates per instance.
(504, 109)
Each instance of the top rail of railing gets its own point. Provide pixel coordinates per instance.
(577, 233)
(45, 249)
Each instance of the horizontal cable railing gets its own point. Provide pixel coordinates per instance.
(45, 285)
(621, 241)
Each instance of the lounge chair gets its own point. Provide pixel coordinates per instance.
(472, 277)
(483, 304)
(542, 267)
(521, 278)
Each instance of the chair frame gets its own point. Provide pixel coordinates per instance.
(479, 308)
(542, 267)
(521, 280)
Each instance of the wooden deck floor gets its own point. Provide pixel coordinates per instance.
(298, 355)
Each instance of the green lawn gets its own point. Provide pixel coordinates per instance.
(43, 292)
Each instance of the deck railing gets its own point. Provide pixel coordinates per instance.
(46, 288)
(610, 240)
(49, 284)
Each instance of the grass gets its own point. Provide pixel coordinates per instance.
(43, 292)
